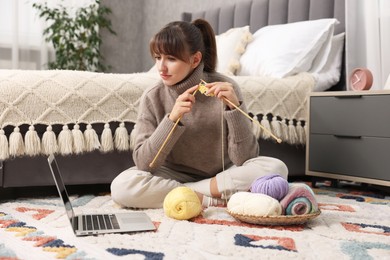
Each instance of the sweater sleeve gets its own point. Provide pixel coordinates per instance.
(151, 134)
(242, 143)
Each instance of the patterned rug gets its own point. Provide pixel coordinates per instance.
(354, 224)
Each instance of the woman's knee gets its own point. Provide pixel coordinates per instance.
(279, 167)
(269, 165)
(123, 190)
(118, 192)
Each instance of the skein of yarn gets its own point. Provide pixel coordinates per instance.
(182, 203)
(273, 185)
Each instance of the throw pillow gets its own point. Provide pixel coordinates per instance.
(230, 46)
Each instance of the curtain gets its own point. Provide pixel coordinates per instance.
(384, 7)
(21, 42)
(368, 38)
(22, 45)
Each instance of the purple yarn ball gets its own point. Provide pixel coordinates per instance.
(272, 185)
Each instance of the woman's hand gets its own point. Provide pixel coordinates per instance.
(223, 90)
(183, 104)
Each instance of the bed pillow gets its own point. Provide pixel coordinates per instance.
(330, 73)
(287, 49)
(230, 46)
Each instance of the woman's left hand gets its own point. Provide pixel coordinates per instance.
(223, 90)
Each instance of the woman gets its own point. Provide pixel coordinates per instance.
(185, 53)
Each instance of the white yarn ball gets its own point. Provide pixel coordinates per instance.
(254, 204)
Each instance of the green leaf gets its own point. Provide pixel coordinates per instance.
(76, 40)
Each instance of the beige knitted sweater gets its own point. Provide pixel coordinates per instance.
(195, 145)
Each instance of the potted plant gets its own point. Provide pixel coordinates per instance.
(75, 35)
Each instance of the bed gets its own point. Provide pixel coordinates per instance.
(276, 98)
(38, 104)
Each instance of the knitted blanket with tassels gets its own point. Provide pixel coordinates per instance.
(66, 97)
(63, 97)
(279, 104)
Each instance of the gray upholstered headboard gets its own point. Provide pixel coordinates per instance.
(260, 13)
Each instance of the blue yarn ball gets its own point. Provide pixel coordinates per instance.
(272, 185)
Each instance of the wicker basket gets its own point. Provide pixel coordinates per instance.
(276, 220)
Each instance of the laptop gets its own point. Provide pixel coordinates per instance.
(95, 224)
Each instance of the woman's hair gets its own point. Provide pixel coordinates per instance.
(183, 39)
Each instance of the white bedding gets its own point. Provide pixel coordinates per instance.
(284, 50)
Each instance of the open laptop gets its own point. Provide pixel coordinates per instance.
(94, 224)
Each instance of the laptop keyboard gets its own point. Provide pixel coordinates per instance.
(99, 222)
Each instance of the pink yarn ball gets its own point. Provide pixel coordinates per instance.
(272, 185)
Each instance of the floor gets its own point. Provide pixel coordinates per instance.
(23, 192)
(13, 193)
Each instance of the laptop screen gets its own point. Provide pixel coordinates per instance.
(61, 187)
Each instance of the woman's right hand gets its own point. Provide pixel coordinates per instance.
(183, 104)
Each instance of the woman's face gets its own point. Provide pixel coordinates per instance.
(173, 70)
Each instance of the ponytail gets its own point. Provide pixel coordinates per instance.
(210, 46)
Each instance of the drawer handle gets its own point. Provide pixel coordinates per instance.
(348, 136)
(349, 96)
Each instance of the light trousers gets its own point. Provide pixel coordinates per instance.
(140, 189)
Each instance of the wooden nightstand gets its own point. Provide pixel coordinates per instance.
(349, 136)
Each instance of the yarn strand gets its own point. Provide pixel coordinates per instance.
(223, 155)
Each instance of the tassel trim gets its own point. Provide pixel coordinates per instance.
(49, 141)
(122, 138)
(16, 143)
(4, 153)
(107, 139)
(68, 141)
(32, 142)
(288, 130)
(76, 142)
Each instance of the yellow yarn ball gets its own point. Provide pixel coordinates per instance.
(182, 203)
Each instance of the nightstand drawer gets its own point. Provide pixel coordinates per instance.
(350, 115)
(366, 157)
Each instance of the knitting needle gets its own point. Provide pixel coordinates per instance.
(245, 114)
(151, 165)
